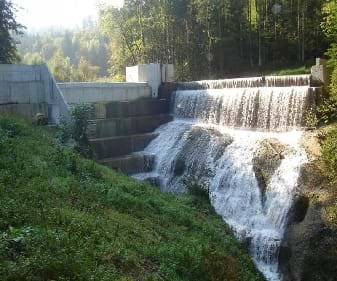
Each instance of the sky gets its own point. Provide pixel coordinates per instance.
(43, 14)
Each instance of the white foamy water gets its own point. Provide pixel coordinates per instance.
(213, 141)
(279, 108)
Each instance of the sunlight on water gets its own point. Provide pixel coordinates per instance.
(208, 144)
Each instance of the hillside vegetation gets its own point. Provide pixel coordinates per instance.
(66, 218)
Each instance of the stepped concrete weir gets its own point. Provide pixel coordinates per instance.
(126, 114)
(121, 129)
(239, 140)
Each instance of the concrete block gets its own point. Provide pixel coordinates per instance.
(119, 146)
(107, 94)
(103, 92)
(142, 107)
(91, 95)
(73, 95)
(100, 110)
(167, 73)
(25, 76)
(150, 73)
(36, 92)
(166, 90)
(132, 74)
(26, 111)
(132, 94)
(131, 164)
(4, 92)
(117, 109)
(20, 92)
(320, 73)
(127, 126)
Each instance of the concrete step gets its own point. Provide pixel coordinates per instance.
(131, 164)
(142, 107)
(119, 146)
(114, 127)
(151, 177)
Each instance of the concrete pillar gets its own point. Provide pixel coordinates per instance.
(154, 74)
(320, 73)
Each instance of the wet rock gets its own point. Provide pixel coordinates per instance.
(311, 143)
(203, 146)
(155, 181)
(179, 167)
(300, 208)
(267, 158)
(307, 241)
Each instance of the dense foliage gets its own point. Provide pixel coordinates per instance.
(75, 130)
(66, 218)
(77, 55)
(328, 110)
(201, 38)
(213, 38)
(8, 27)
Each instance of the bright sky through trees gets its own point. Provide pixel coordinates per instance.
(42, 14)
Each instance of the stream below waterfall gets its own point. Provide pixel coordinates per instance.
(242, 145)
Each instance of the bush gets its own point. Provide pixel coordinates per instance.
(76, 129)
(329, 152)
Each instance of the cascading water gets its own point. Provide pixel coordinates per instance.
(207, 146)
(263, 108)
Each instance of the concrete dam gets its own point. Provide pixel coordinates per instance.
(242, 145)
(237, 139)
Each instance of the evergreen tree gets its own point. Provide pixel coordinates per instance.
(8, 27)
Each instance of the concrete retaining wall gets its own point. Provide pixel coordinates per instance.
(76, 93)
(26, 90)
(21, 84)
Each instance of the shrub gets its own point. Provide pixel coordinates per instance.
(329, 152)
(76, 129)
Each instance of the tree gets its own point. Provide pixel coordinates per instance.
(85, 72)
(33, 58)
(8, 26)
(214, 38)
(330, 28)
(89, 45)
(60, 67)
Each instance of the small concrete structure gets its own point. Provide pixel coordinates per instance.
(320, 72)
(155, 74)
(76, 93)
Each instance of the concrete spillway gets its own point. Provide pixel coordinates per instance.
(217, 141)
(251, 82)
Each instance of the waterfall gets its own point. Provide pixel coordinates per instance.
(227, 141)
(264, 108)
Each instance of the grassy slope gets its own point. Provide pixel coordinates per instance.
(66, 218)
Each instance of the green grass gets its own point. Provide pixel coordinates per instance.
(292, 71)
(66, 218)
